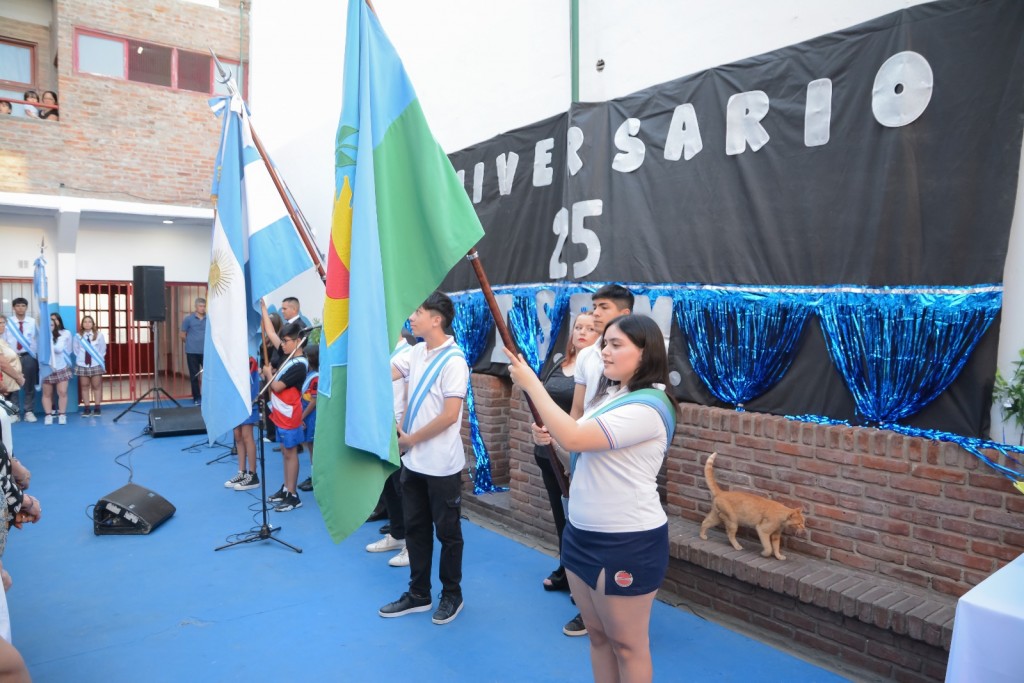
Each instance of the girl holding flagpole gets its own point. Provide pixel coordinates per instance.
(90, 349)
(60, 374)
(615, 545)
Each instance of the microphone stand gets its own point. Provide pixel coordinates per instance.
(265, 531)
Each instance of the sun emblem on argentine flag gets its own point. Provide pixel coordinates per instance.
(223, 270)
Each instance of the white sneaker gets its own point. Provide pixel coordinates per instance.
(401, 559)
(15, 418)
(230, 483)
(48, 420)
(62, 419)
(385, 544)
(30, 417)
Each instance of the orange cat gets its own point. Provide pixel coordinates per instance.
(733, 508)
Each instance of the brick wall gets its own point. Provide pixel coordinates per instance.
(919, 512)
(40, 36)
(119, 139)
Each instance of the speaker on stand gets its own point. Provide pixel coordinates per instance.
(148, 305)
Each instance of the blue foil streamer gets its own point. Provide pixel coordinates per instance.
(472, 329)
(897, 352)
(740, 343)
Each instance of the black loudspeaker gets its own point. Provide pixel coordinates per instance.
(130, 510)
(176, 421)
(148, 293)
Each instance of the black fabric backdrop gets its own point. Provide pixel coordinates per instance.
(926, 203)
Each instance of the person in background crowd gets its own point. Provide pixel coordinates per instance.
(60, 375)
(5, 107)
(20, 334)
(245, 443)
(90, 349)
(52, 114)
(290, 312)
(309, 393)
(11, 380)
(31, 111)
(193, 333)
(560, 383)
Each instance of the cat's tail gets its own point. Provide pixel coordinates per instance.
(709, 475)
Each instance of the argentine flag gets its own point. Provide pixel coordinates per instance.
(253, 252)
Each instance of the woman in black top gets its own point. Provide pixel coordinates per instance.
(560, 385)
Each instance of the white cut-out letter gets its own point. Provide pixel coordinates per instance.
(683, 139)
(573, 143)
(506, 166)
(902, 90)
(542, 173)
(632, 148)
(743, 127)
(818, 113)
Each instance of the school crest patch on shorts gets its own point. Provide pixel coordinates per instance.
(623, 579)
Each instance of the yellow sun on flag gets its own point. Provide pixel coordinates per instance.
(222, 273)
(339, 258)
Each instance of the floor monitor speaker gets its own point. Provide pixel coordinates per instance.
(176, 421)
(130, 510)
(148, 293)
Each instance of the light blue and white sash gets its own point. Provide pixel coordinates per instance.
(25, 346)
(427, 381)
(97, 357)
(654, 398)
(289, 364)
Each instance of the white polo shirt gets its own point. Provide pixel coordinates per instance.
(616, 490)
(589, 369)
(399, 386)
(442, 455)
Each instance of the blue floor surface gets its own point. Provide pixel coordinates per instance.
(166, 607)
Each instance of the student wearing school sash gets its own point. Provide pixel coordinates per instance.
(286, 413)
(433, 459)
(60, 372)
(90, 349)
(21, 335)
(615, 544)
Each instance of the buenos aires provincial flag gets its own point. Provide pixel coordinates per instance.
(401, 220)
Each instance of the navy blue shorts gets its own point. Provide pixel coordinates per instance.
(634, 562)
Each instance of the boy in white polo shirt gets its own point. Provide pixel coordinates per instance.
(433, 459)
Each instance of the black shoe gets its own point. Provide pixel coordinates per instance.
(449, 608)
(378, 514)
(249, 480)
(386, 529)
(290, 502)
(407, 604)
(87, 412)
(576, 627)
(556, 581)
(96, 410)
(306, 485)
(277, 497)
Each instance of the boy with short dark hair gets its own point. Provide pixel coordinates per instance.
(286, 413)
(433, 459)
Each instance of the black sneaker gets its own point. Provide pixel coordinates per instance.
(407, 604)
(306, 485)
(277, 497)
(96, 411)
(386, 529)
(576, 627)
(449, 608)
(87, 412)
(249, 480)
(230, 483)
(290, 502)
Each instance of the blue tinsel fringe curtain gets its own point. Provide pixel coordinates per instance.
(897, 349)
